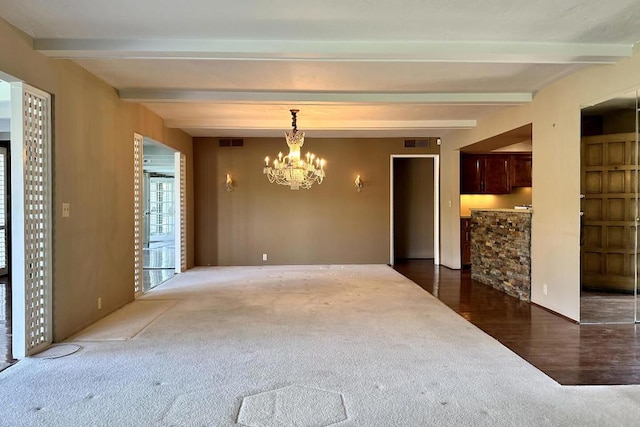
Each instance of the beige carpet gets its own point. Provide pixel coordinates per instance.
(299, 346)
(58, 350)
(125, 323)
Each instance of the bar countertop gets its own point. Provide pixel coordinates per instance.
(525, 211)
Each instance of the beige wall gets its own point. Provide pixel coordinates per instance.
(207, 184)
(330, 223)
(93, 171)
(555, 114)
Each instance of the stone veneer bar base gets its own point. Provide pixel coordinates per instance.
(501, 250)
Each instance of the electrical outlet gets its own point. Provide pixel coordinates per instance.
(66, 210)
(264, 257)
(99, 303)
(544, 289)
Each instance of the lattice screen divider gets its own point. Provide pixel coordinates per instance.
(180, 212)
(3, 210)
(31, 219)
(183, 212)
(137, 213)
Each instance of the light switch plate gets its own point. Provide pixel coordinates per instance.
(66, 210)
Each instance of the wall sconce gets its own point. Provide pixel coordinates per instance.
(229, 183)
(358, 183)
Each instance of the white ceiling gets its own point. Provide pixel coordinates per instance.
(158, 158)
(357, 68)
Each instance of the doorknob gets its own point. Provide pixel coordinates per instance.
(582, 196)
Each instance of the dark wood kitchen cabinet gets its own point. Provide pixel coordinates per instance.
(465, 241)
(521, 165)
(485, 174)
(494, 173)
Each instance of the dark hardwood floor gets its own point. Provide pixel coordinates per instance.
(570, 353)
(606, 307)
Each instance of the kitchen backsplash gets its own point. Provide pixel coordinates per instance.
(519, 196)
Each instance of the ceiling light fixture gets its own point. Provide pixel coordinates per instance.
(291, 170)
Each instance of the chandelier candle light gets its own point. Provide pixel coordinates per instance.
(291, 170)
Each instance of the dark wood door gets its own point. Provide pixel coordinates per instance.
(496, 175)
(608, 220)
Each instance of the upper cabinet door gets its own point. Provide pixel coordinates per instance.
(497, 175)
(494, 173)
(521, 166)
(471, 170)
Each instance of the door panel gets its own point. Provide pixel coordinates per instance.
(496, 175)
(521, 166)
(608, 222)
(159, 251)
(470, 175)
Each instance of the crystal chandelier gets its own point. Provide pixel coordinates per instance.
(291, 170)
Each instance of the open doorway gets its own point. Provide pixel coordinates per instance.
(609, 211)
(414, 208)
(159, 214)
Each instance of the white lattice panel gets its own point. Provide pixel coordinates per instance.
(3, 208)
(183, 213)
(31, 181)
(36, 212)
(137, 212)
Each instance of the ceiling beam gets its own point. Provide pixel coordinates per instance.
(350, 133)
(471, 98)
(337, 51)
(319, 125)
